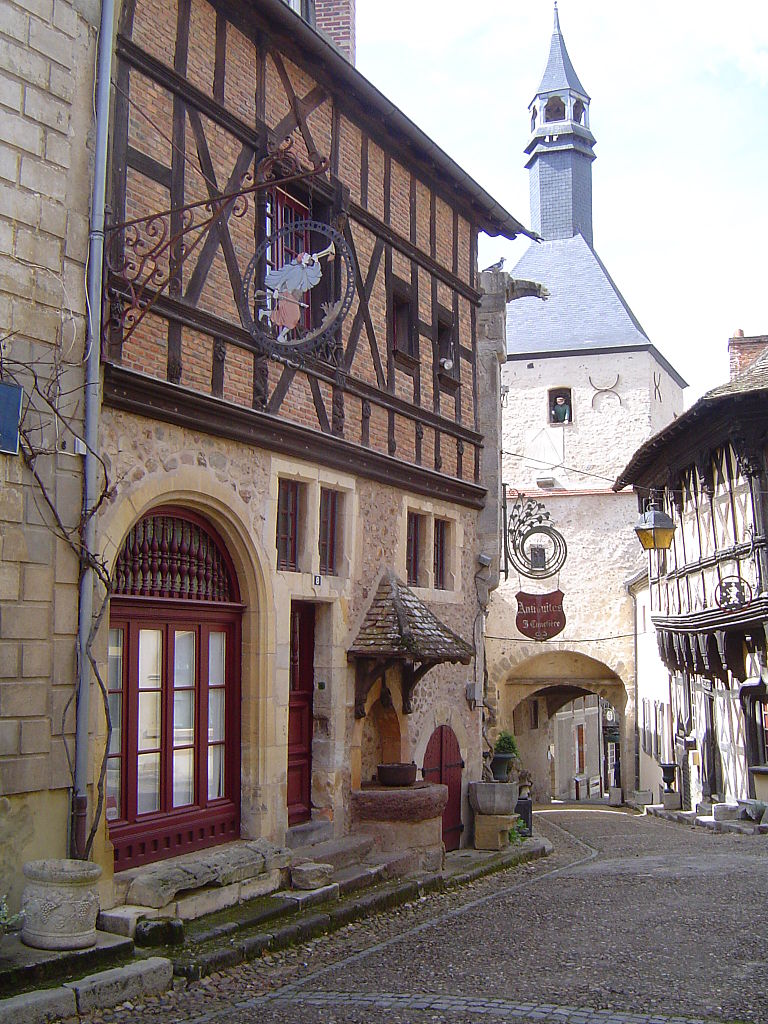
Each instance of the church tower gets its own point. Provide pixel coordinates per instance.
(561, 149)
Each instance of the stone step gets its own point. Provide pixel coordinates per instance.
(359, 876)
(726, 811)
(309, 833)
(395, 864)
(340, 853)
(744, 828)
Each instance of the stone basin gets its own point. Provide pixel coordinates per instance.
(406, 819)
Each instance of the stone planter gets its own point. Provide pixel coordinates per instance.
(494, 797)
(60, 904)
(397, 773)
(501, 766)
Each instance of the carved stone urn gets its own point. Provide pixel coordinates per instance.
(60, 903)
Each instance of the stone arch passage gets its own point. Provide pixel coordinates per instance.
(532, 694)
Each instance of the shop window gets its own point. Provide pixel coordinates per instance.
(330, 530)
(560, 406)
(172, 779)
(289, 501)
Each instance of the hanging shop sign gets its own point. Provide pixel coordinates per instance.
(732, 594)
(284, 311)
(532, 545)
(540, 616)
(10, 417)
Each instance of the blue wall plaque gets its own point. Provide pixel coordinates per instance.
(10, 413)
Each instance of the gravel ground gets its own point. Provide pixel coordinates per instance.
(631, 920)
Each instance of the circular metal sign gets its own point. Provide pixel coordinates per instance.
(732, 593)
(280, 312)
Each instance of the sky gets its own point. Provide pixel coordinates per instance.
(679, 109)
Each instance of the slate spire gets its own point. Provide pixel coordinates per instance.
(561, 149)
(559, 73)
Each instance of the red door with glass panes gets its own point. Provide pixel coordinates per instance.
(300, 719)
(443, 763)
(172, 781)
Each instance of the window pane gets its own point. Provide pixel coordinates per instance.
(149, 721)
(184, 658)
(215, 715)
(183, 718)
(150, 658)
(115, 663)
(215, 772)
(148, 783)
(115, 717)
(113, 789)
(183, 777)
(217, 655)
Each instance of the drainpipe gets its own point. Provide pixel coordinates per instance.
(633, 595)
(91, 465)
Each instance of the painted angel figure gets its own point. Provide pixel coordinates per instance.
(287, 285)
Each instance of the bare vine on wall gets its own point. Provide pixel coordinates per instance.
(49, 429)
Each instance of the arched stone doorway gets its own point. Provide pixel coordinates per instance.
(532, 696)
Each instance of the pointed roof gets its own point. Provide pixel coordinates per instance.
(399, 625)
(559, 73)
(585, 312)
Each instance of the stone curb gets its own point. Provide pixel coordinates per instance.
(97, 991)
(336, 917)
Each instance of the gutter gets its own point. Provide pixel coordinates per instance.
(91, 465)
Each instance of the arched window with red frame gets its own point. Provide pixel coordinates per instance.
(173, 770)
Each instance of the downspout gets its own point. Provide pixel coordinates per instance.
(91, 464)
(633, 595)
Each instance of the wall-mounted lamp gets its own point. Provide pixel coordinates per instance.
(655, 528)
(446, 364)
(504, 391)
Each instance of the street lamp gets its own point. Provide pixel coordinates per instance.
(655, 529)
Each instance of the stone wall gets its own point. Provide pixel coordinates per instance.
(47, 55)
(235, 487)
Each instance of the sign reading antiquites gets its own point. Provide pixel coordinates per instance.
(540, 616)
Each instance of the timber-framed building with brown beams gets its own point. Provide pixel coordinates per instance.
(257, 501)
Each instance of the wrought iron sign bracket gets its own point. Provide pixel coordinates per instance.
(526, 521)
(145, 255)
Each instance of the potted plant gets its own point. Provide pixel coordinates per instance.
(505, 753)
(490, 797)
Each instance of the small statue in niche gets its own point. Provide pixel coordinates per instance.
(561, 410)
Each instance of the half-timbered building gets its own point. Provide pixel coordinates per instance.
(260, 495)
(709, 600)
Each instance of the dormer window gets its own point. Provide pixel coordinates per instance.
(554, 110)
(578, 112)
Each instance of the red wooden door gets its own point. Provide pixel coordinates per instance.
(302, 681)
(443, 763)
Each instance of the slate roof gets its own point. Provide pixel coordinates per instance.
(752, 381)
(399, 625)
(585, 312)
(559, 73)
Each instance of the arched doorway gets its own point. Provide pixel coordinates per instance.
(172, 783)
(569, 713)
(443, 764)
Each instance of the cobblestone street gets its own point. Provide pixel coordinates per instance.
(603, 930)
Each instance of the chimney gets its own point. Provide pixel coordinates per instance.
(742, 352)
(336, 20)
